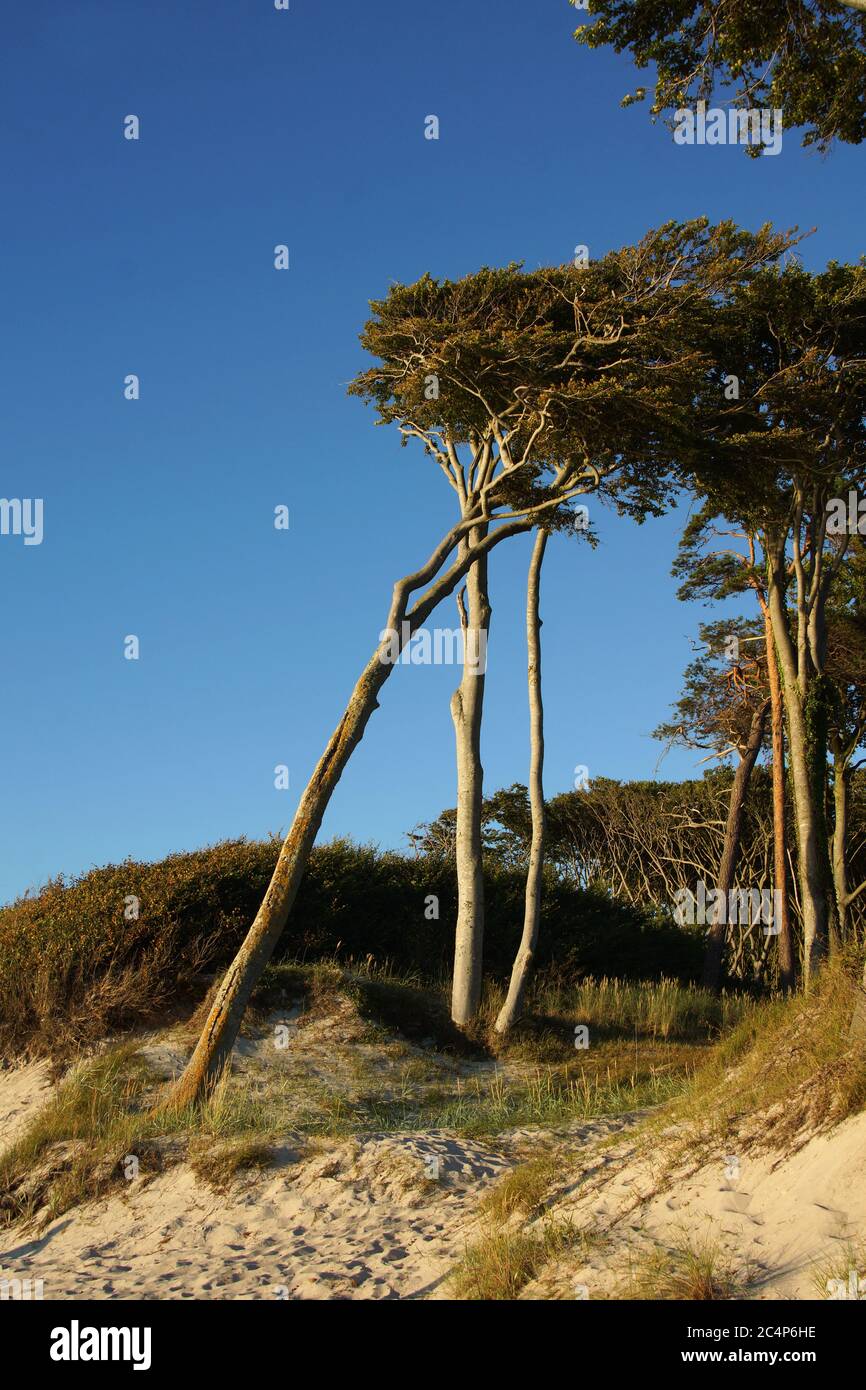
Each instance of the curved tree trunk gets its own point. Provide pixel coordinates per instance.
(728, 867)
(467, 707)
(213, 1050)
(513, 1006)
(787, 969)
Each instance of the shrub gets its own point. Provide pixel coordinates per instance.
(73, 968)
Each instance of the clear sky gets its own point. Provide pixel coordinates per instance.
(155, 257)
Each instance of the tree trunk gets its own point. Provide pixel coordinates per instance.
(787, 970)
(810, 869)
(733, 829)
(858, 1019)
(213, 1051)
(513, 1006)
(467, 706)
(840, 835)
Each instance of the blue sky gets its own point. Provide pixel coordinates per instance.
(155, 257)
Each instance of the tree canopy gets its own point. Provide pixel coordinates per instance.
(804, 57)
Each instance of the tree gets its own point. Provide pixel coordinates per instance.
(723, 708)
(804, 57)
(608, 354)
(715, 575)
(779, 453)
(846, 667)
(519, 427)
(513, 1006)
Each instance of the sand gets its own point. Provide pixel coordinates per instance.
(364, 1219)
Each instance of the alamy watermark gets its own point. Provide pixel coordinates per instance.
(735, 126)
(739, 906)
(846, 516)
(441, 647)
(854, 1288)
(21, 1289)
(22, 516)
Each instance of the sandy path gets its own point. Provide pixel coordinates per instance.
(23, 1089)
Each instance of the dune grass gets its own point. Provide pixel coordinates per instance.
(501, 1262)
(395, 1068)
(696, 1269)
(789, 1062)
(842, 1274)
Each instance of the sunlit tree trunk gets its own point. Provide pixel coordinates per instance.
(733, 830)
(787, 970)
(840, 835)
(467, 706)
(513, 1006)
(811, 869)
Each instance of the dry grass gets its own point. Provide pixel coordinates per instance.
(695, 1270)
(501, 1263)
(842, 1275)
(786, 1071)
(523, 1190)
(218, 1164)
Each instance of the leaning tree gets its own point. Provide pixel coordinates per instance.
(607, 355)
(524, 362)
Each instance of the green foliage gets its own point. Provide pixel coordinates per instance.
(72, 968)
(721, 692)
(573, 365)
(807, 57)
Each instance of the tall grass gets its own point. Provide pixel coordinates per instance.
(788, 1062)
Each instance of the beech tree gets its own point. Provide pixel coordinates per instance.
(611, 350)
(715, 563)
(517, 386)
(513, 1005)
(723, 708)
(846, 666)
(789, 440)
(805, 57)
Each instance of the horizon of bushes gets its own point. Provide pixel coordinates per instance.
(75, 965)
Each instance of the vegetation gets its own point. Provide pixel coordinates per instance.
(501, 1263)
(693, 1270)
(73, 968)
(807, 58)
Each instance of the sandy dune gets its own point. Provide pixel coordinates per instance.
(22, 1090)
(776, 1218)
(365, 1218)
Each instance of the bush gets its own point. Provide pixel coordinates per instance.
(73, 967)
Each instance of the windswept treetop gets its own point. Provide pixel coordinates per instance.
(805, 57)
(794, 433)
(585, 371)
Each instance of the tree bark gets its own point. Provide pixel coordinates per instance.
(811, 874)
(840, 834)
(467, 706)
(514, 1002)
(858, 1019)
(787, 969)
(213, 1051)
(733, 829)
